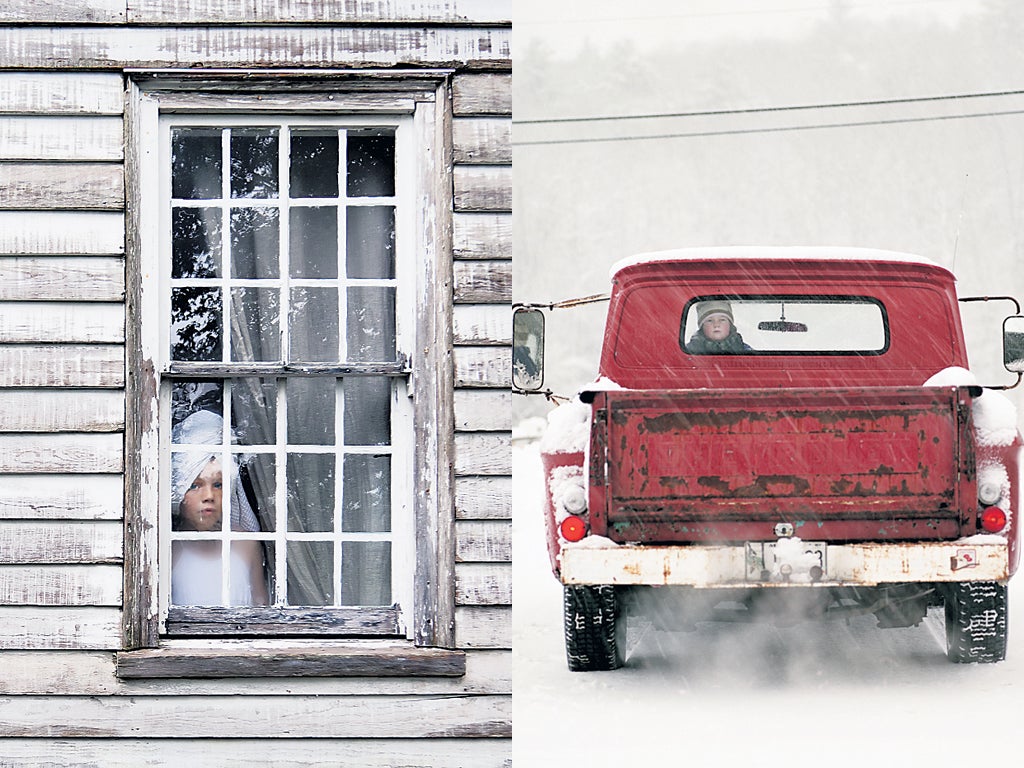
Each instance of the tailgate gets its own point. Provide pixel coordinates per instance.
(839, 465)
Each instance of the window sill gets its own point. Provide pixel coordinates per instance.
(289, 658)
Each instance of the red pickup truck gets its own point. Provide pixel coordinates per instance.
(787, 433)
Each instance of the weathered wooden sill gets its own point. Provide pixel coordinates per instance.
(290, 659)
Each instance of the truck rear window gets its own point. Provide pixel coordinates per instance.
(797, 325)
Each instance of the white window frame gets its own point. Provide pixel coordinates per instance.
(416, 105)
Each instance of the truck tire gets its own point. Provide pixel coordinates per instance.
(976, 622)
(595, 633)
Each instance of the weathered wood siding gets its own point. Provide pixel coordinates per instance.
(62, 391)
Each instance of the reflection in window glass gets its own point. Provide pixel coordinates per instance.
(370, 242)
(195, 242)
(313, 326)
(196, 324)
(254, 411)
(371, 165)
(255, 236)
(314, 164)
(195, 163)
(366, 503)
(255, 315)
(367, 410)
(254, 162)
(370, 324)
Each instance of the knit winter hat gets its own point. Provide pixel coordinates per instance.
(707, 308)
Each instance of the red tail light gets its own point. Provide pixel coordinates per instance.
(573, 528)
(993, 519)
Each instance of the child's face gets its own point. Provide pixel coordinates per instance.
(201, 506)
(716, 327)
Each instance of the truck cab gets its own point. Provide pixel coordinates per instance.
(780, 431)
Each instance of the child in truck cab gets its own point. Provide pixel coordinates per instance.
(716, 332)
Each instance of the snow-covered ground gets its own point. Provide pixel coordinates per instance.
(826, 695)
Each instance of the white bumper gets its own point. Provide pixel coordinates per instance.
(728, 566)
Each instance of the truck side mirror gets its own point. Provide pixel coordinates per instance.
(1013, 344)
(528, 349)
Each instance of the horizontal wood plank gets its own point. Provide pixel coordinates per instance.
(60, 543)
(25, 233)
(482, 235)
(483, 188)
(61, 410)
(322, 11)
(483, 453)
(66, 93)
(61, 322)
(482, 324)
(27, 365)
(481, 626)
(61, 138)
(487, 541)
(35, 628)
(279, 752)
(63, 12)
(482, 94)
(61, 278)
(60, 585)
(483, 282)
(62, 186)
(482, 140)
(61, 497)
(483, 584)
(482, 410)
(305, 716)
(62, 453)
(483, 367)
(483, 498)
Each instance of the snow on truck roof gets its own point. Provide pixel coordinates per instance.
(789, 253)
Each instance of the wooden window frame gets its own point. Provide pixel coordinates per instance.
(423, 95)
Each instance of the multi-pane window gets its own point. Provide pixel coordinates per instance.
(284, 390)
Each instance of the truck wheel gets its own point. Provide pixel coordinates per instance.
(595, 633)
(976, 622)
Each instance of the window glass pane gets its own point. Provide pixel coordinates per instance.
(253, 411)
(366, 494)
(366, 573)
(195, 573)
(370, 324)
(255, 317)
(195, 242)
(314, 164)
(248, 577)
(196, 324)
(257, 484)
(255, 240)
(310, 492)
(367, 410)
(254, 161)
(195, 163)
(310, 573)
(371, 165)
(197, 492)
(314, 242)
(370, 242)
(313, 326)
(311, 411)
(190, 396)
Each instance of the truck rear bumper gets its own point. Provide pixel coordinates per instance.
(845, 565)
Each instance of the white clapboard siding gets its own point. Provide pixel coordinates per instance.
(27, 628)
(482, 324)
(298, 716)
(26, 365)
(324, 11)
(61, 453)
(482, 626)
(78, 12)
(61, 497)
(279, 752)
(483, 188)
(284, 46)
(481, 453)
(67, 93)
(482, 235)
(62, 278)
(479, 410)
(483, 541)
(61, 410)
(61, 138)
(483, 366)
(61, 232)
(482, 140)
(482, 94)
(61, 322)
(483, 282)
(483, 498)
(36, 186)
(50, 542)
(483, 584)
(60, 585)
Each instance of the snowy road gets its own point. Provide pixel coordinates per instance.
(822, 694)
